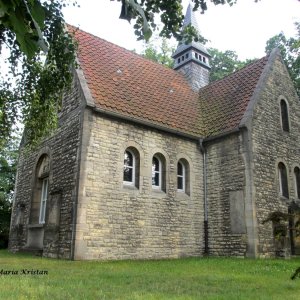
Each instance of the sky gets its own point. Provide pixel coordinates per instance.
(245, 27)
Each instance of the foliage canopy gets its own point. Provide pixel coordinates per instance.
(290, 51)
(40, 56)
(8, 168)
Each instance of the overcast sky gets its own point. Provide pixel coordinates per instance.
(245, 27)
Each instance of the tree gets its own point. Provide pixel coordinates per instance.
(224, 63)
(41, 55)
(144, 11)
(8, 166)
(290, 51)
(161, 53)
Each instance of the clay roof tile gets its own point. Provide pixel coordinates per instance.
(125, 83)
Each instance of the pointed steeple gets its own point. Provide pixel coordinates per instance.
(192, 59)
(190, 18)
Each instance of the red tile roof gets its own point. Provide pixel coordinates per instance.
(224, 102)
(126, 84)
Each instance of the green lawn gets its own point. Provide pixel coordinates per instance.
(192, 278)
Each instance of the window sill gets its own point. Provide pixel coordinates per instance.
(129, 187)
(284, 199)
(158, 192)
(182, 194)
(35, 226)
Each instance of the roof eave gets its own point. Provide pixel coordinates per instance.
(144, 122)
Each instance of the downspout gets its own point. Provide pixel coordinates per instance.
(204, 153)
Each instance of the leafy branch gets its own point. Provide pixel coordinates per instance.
(41, 58)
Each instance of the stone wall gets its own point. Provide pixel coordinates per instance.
(272, 145)
(120, 222)
(225, 197)
(63, 149)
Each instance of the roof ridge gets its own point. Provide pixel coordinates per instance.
(100, 38)
(129, 51)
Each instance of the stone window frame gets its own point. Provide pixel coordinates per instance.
(40, 175)
(162, 172)
(296, 181)
(135, 167)
(284, 116)
(283, 187)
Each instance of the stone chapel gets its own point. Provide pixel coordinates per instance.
(150, 162)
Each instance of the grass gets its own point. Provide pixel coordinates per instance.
(191, 278)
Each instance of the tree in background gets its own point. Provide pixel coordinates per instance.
(224, 63)
(290, 51)
(159, 51)
(8, 168)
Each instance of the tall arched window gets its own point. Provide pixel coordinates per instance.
(283, 180)
(297, 182)
(40, 195)
(284, 115)
(131, 167)
(158, 172)
(183, 176)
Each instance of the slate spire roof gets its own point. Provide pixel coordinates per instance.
(190, 19)
(132, 87)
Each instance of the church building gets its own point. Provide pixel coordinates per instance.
(149, 162)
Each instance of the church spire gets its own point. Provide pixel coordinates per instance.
(192, 59)
(190, 18)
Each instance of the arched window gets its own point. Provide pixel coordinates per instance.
(297, 182)
(284, 115)
(283, 180)
(131, 167)
(183, 176)
(180, 176)
(158, 172)
(40, 195)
